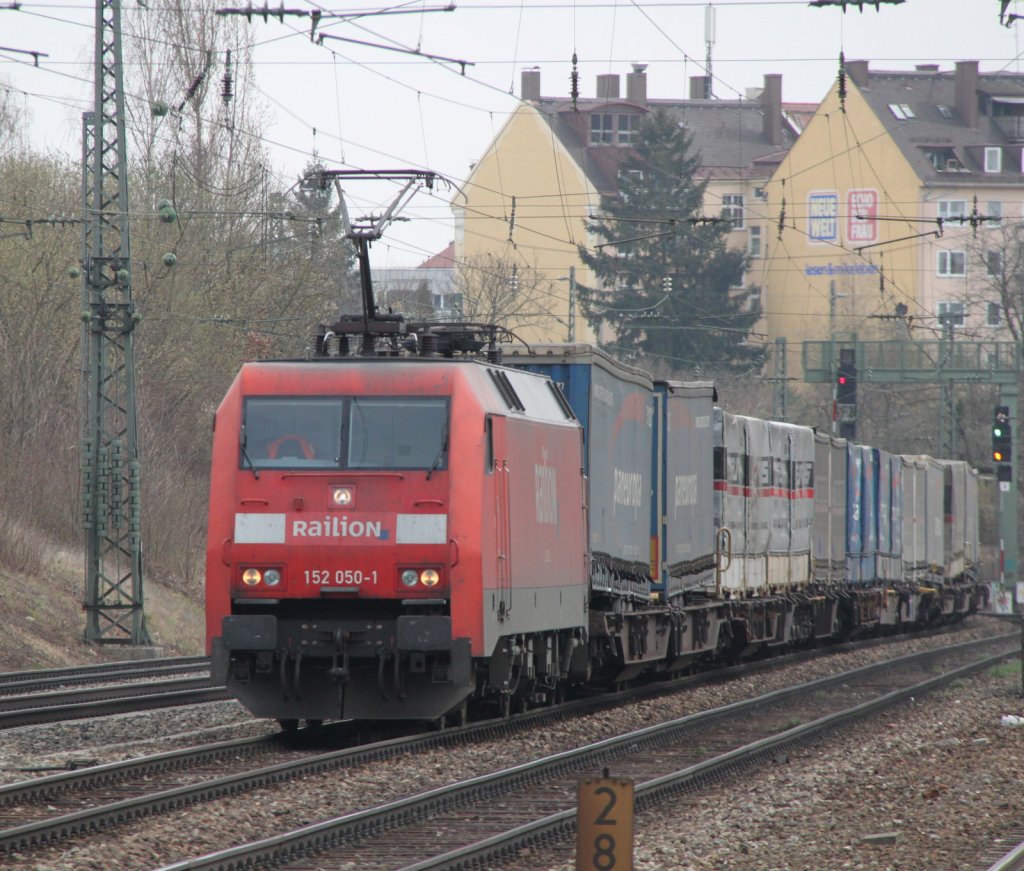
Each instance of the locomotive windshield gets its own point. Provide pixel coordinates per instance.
(365, 432)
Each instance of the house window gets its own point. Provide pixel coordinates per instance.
(993, 314)
(732, 210)
(993, 160)
(943, 158)
(628, 126)
(945, 111)
(952, 313)
(951, 263)
(754, 240)
(602, 127)
(994, 213)
(901, 111)
(994, 263)
(950, 210)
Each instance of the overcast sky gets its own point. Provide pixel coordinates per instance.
(373, 108)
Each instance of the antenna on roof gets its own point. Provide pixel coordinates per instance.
(709, 41)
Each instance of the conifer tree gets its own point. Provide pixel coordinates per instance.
(671, 285)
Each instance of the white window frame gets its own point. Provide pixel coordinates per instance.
(993, 159)
(951, 263)
(954, 307)
(993, 314)
(950, 210)
(754, 241)
(994, 263)
(626, 126)
(604, 132)
(732, 209)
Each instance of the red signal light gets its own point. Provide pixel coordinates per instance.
(842, 379)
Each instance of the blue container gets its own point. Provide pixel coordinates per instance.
(616, 406)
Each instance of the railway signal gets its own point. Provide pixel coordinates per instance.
(1002, 435)
(846, 393)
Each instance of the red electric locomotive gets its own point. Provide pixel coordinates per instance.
(388, 535)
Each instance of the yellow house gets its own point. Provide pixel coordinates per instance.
(884, 214)
(522, 212)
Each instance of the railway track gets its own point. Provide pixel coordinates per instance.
(485, 821)
(52, 808)
(34, 697)
(13, 682)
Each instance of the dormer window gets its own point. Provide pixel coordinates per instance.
(944, 159)
(613, 128)
(602, 126)
(902, 111)
(993, 159)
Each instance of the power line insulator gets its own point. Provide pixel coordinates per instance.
(227, 89)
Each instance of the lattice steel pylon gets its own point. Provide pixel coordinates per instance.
(109, 452)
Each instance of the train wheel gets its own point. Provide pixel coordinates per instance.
(505, 705)
(288, 725)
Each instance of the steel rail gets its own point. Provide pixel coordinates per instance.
(99, 669)
(107, 676)
(110, 700)
(46, 788)
(502, 848)
(1012, 861)
(308, 840)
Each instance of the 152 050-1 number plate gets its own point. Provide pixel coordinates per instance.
(341, 577)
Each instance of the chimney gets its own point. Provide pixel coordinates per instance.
(857, 70)
(698, 87)
(771, 108)
(608, 86)
(530, 84)
(967, 91)
(636, 85)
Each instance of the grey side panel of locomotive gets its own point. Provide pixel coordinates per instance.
(687, 528)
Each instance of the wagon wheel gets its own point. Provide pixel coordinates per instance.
(289, 724)
(505, 705)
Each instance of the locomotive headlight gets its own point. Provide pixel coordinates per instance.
(429, 578)
(342, 497)
(409, 577)
(251, 577)
(272, 577)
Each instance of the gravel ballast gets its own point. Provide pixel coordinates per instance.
(929, 785)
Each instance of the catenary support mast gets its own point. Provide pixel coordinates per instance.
(109, 451)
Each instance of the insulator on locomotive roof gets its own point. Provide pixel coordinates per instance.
(428, 345)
